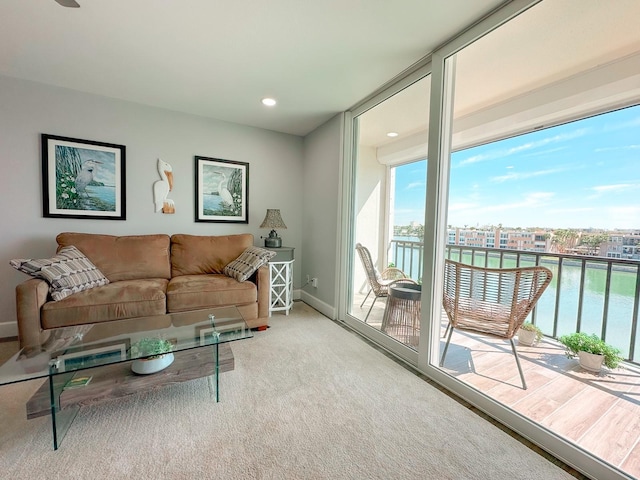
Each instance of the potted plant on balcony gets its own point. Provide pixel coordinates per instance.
(529, 334)
(591, 350)
(157, 353)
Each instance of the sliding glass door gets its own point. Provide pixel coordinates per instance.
(508, 145)
(389, 165)
(540, 131)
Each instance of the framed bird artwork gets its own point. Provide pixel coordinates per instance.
(222, 190)
(83, 179)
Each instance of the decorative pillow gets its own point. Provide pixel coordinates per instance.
(70, 271)
(248, 262)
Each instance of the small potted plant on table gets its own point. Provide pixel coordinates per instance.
(591, 350)
(158, 355)
(529, 334)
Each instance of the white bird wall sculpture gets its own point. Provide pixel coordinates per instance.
(162, 187)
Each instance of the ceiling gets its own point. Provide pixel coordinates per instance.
(219, 59)
(544, 48)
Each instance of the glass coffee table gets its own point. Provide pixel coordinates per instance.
(103, 354)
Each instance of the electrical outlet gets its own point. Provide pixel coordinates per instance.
(314, 282)
(308, 279)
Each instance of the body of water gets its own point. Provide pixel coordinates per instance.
(105, 194)
(212, 202)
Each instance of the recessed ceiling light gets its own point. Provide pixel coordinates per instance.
(392, 134)
(269, 102)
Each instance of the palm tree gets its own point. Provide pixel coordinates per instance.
(593, 242)
(564, 239)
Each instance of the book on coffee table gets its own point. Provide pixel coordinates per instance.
(77, 382)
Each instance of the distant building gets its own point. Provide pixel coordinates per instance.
(507, 239)
(622, 245)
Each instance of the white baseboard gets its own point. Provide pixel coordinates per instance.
(8, 329)
(324, 308)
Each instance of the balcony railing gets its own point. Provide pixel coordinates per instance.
(588, 294)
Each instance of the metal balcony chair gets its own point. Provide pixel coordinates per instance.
(379, 282)
(491, 301)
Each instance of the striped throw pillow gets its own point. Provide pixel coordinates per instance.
(69, 272)
(248, 262)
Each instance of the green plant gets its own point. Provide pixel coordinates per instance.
(150, 347)
(530, 327)
(581, 342)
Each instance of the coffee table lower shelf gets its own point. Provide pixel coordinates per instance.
(117, 380)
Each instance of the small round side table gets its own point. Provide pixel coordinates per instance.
(402, 314)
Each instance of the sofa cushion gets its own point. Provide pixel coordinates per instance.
(193, 292)
(123, 258)
(115, 301)
(197, 254)
(248, 262)
(68, 272)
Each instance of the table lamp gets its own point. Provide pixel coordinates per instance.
(273, 220)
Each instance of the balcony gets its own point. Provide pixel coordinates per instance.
(588, 294)
(598, 412)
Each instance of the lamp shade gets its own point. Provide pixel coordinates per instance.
(273, 219)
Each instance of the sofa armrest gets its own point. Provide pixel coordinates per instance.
(261, 279)
(31, 295)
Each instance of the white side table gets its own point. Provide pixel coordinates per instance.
(281, 280)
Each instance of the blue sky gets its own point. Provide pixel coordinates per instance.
(579, 175)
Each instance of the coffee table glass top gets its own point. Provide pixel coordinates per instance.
(85, 346)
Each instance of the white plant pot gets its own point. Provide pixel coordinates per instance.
(590, 361)
(526, 337)
(144, 366)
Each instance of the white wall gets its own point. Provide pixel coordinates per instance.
(371, 192)
(321, 192)
(28, 109)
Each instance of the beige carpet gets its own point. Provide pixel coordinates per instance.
(307, 400)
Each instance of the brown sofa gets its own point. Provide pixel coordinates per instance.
(149, 275)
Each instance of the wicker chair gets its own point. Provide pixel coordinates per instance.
(491, 301)
(379, 282)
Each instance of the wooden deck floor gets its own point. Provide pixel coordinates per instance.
(598, 412)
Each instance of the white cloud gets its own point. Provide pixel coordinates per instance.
(633, 123)
(530, 209)
(618, 187)
(528, 201)
(525, 146)
(545, 152)
(476, 159)
(413, 185)
(523, 175)
(621, 147)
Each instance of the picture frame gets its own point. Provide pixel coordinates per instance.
(222, 190)
(85, 356)
(228, 331)
(83, 179)
(204, 331)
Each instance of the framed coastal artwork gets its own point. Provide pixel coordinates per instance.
(222, 190)
(83, 179)
(84, 356)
